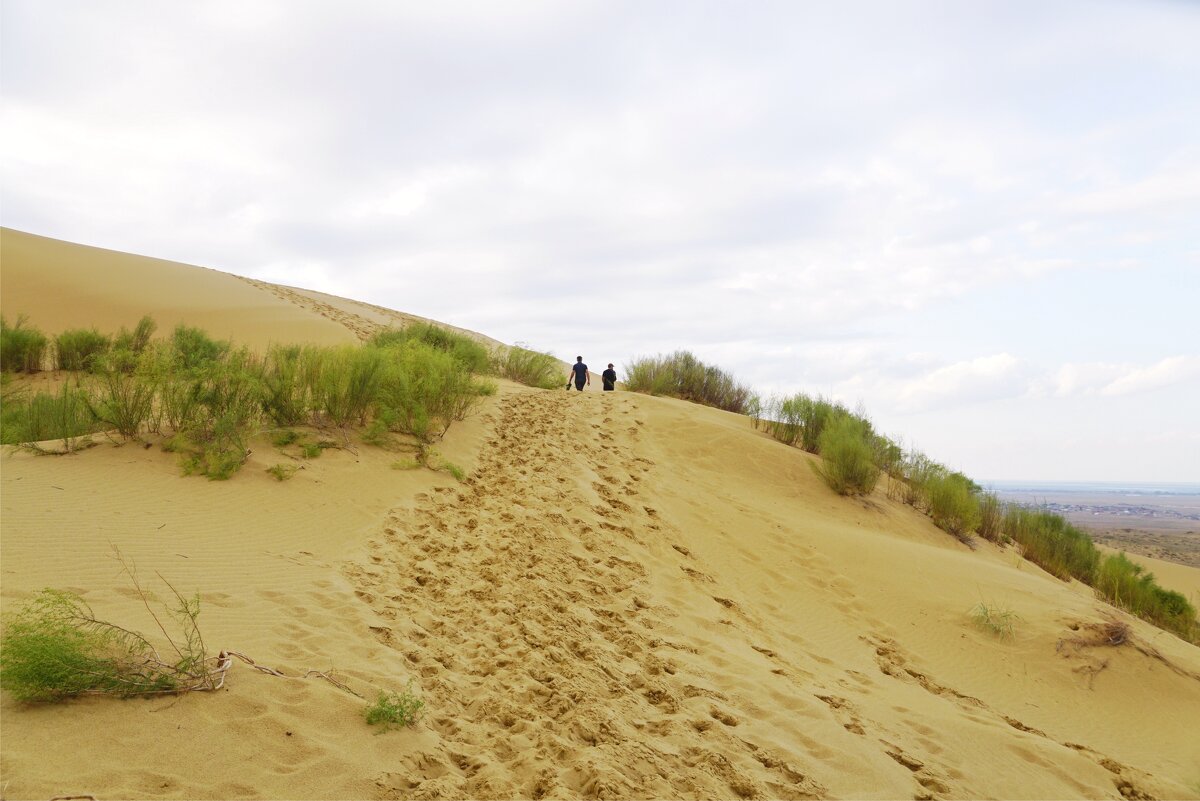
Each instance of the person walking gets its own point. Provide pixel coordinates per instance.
(580, 374)
(609, 377)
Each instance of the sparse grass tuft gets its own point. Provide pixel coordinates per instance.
(282, 472)
(284, 437)
(405, 464)
(1000, 621)
(310, 450)
(393, 710)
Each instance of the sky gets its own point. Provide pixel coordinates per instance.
(978, 221)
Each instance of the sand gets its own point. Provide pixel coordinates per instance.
(628, 597)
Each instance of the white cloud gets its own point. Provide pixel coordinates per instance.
(904, 205)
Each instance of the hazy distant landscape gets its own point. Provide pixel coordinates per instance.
(1158, 520)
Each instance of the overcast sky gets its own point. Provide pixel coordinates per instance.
(981, 220)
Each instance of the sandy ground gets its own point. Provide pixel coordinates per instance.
(628, 597)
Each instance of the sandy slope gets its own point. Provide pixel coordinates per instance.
(628, 597)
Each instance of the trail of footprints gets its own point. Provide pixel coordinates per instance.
(519, 601)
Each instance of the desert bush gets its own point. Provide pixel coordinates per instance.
(55, 647)
(289, 377)
(916, 472)
(348, 383)
(1126, 584)
(990, 517)
(952, 503)
(194, 348)
(471, 354)
(22, 348)
(79, 348)
(888, 455)
(847, 463)
(682, 375)
(529, 367)
(393, 710)
(137, 340)
(223, 400)
(424, 390)
(123, 400)
(1052, 543)
(65, 416)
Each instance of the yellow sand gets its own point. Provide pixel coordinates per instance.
(628, 597)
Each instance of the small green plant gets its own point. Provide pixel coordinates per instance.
(453, 469)
(310, 450)
(405, 464)
(281, 439)
(282, 472)
(393, 710)
(1000, 621)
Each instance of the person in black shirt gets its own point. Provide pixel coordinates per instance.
(610, 379)
(581, 374)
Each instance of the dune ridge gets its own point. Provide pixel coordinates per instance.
(627, 597)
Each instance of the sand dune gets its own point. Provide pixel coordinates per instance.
(628, 597)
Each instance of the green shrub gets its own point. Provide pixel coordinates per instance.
(194, 348)
(393, 710)
(290, 375)
(847, 462)
(348, 383)
(310, 450)
(65, 415)
(1052, 543)
(79, 348)
(22, 349)
(529, 367)
(471, 354)
(1126, 584)
(990, 517)
(952, 504)
(123, 401)
(424, 390)
(136, 341)
(682, 375)
(223, 400)
(54, 647)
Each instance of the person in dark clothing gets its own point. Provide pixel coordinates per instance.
(610, 379)
(581, 374)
